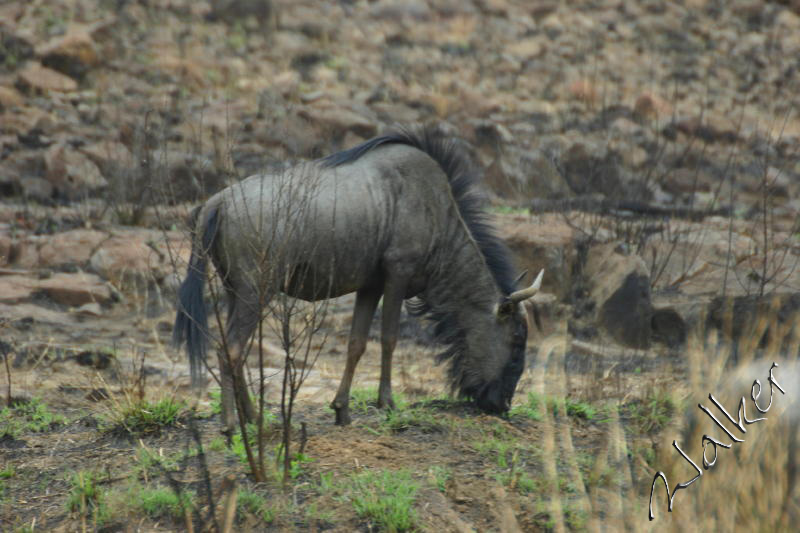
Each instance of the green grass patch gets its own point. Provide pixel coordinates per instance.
(498, 444)
(86, 499)
(385, 498)
(573, 408)
(6, 473)
(142, 417)
(162, 502)
(518, 480)
(398, 420)
(237, 443)
(361, 400)
(531, 409)
(28, 417)
(653, 413)
(439, 475)
(296, 463)
(253, 503)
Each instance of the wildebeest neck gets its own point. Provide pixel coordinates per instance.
(460, 298)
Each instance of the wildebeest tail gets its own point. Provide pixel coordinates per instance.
(191, 321)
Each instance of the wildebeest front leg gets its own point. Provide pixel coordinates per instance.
(393, 294)
(366, 302)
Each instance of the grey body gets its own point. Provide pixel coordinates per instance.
(382, 222)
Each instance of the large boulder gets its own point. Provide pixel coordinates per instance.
(63, 288)
(618, 284)
(72, 174)
(542, 242)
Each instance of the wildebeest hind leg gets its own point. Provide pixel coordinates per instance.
(393, 294)
(366, 302)
(242, 321)
(226, 394)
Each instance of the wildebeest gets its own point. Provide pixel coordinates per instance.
(397, 216)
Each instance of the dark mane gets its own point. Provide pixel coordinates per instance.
(463, 183)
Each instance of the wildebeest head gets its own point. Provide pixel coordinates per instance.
(494, 396)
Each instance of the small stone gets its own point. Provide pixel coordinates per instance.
(338, 120)
(39, 79)
(583, 90)
(10, 98)
(73, 54)
(526, 49)
(398, 9)
(92, 309)
(651, 106)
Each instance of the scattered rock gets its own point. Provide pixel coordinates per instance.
(16, 46)
(110, 156)
(619, 286)
(652, 107)
(526, 49)
(398, 9)
(542, 242)
(6, 245)
(73, 54)
(544, 179)
(669, 328)
(76, 289)
(73, 247)
(35, 78)
(9, 98)
(337, 120)
(583, 90)
(126, 255)
(91, 309)
(231, 10)
(751, 322)
(72, 174)
(16, 289)
(22, 315)
(94, 359)
(588, 173)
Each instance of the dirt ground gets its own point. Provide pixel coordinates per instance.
(582, 463)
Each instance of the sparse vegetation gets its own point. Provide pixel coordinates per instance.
(439, 476)
(420, 418)
(531, 409)
(161, 502)
(32, 416)
(142, 417)
(86, 499)
(254, 503)
(384, 498)
(652, 413)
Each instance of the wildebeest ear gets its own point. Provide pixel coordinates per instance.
(521, 277)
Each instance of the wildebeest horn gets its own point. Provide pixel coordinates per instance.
(524, 294)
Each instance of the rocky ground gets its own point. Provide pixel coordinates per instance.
(646, 154)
